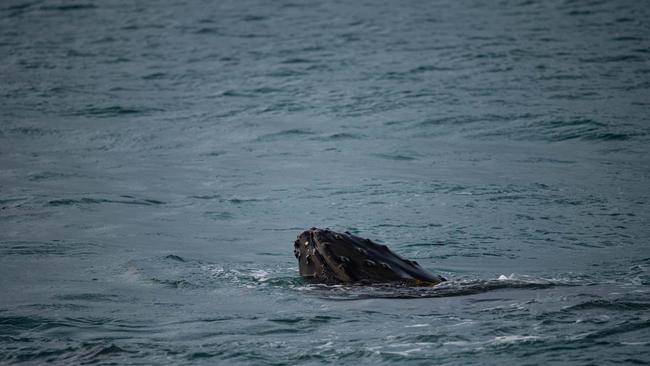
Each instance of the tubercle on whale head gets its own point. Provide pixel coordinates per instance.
(327, 256)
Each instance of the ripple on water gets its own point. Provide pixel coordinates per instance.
(294, 132)
(68, 7)
(27, 131)
(62, 248)
(70, 353)
(89, 297)
(93, 201)
(563, 129)
(341, 136)
(397, 157)
(113, 111)
(618, 305)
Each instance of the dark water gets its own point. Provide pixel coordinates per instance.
(158, 159)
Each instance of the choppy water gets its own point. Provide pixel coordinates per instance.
(158, 158)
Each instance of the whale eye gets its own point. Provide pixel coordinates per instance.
(306, 243)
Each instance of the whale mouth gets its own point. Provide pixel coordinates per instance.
(330, 257)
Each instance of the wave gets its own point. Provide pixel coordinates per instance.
(557, 130)
(91, 201)
(112, 111)
(28, 131)
(208, 30)
(338, 137)
(58, 248)
(81, 354)
(525, 126)
(619, 305)
(46, 176)
(294, 132)
(398, 157)
(69, 7)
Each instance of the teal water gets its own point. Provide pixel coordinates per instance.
(157, 160)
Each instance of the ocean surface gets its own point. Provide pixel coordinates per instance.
(159, 158)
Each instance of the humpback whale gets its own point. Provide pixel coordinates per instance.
(329, 257)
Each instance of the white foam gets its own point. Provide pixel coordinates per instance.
(514, 338)
(405, 353)
(260, 275)
(635, 343)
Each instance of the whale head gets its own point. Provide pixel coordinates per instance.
(330, 257)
